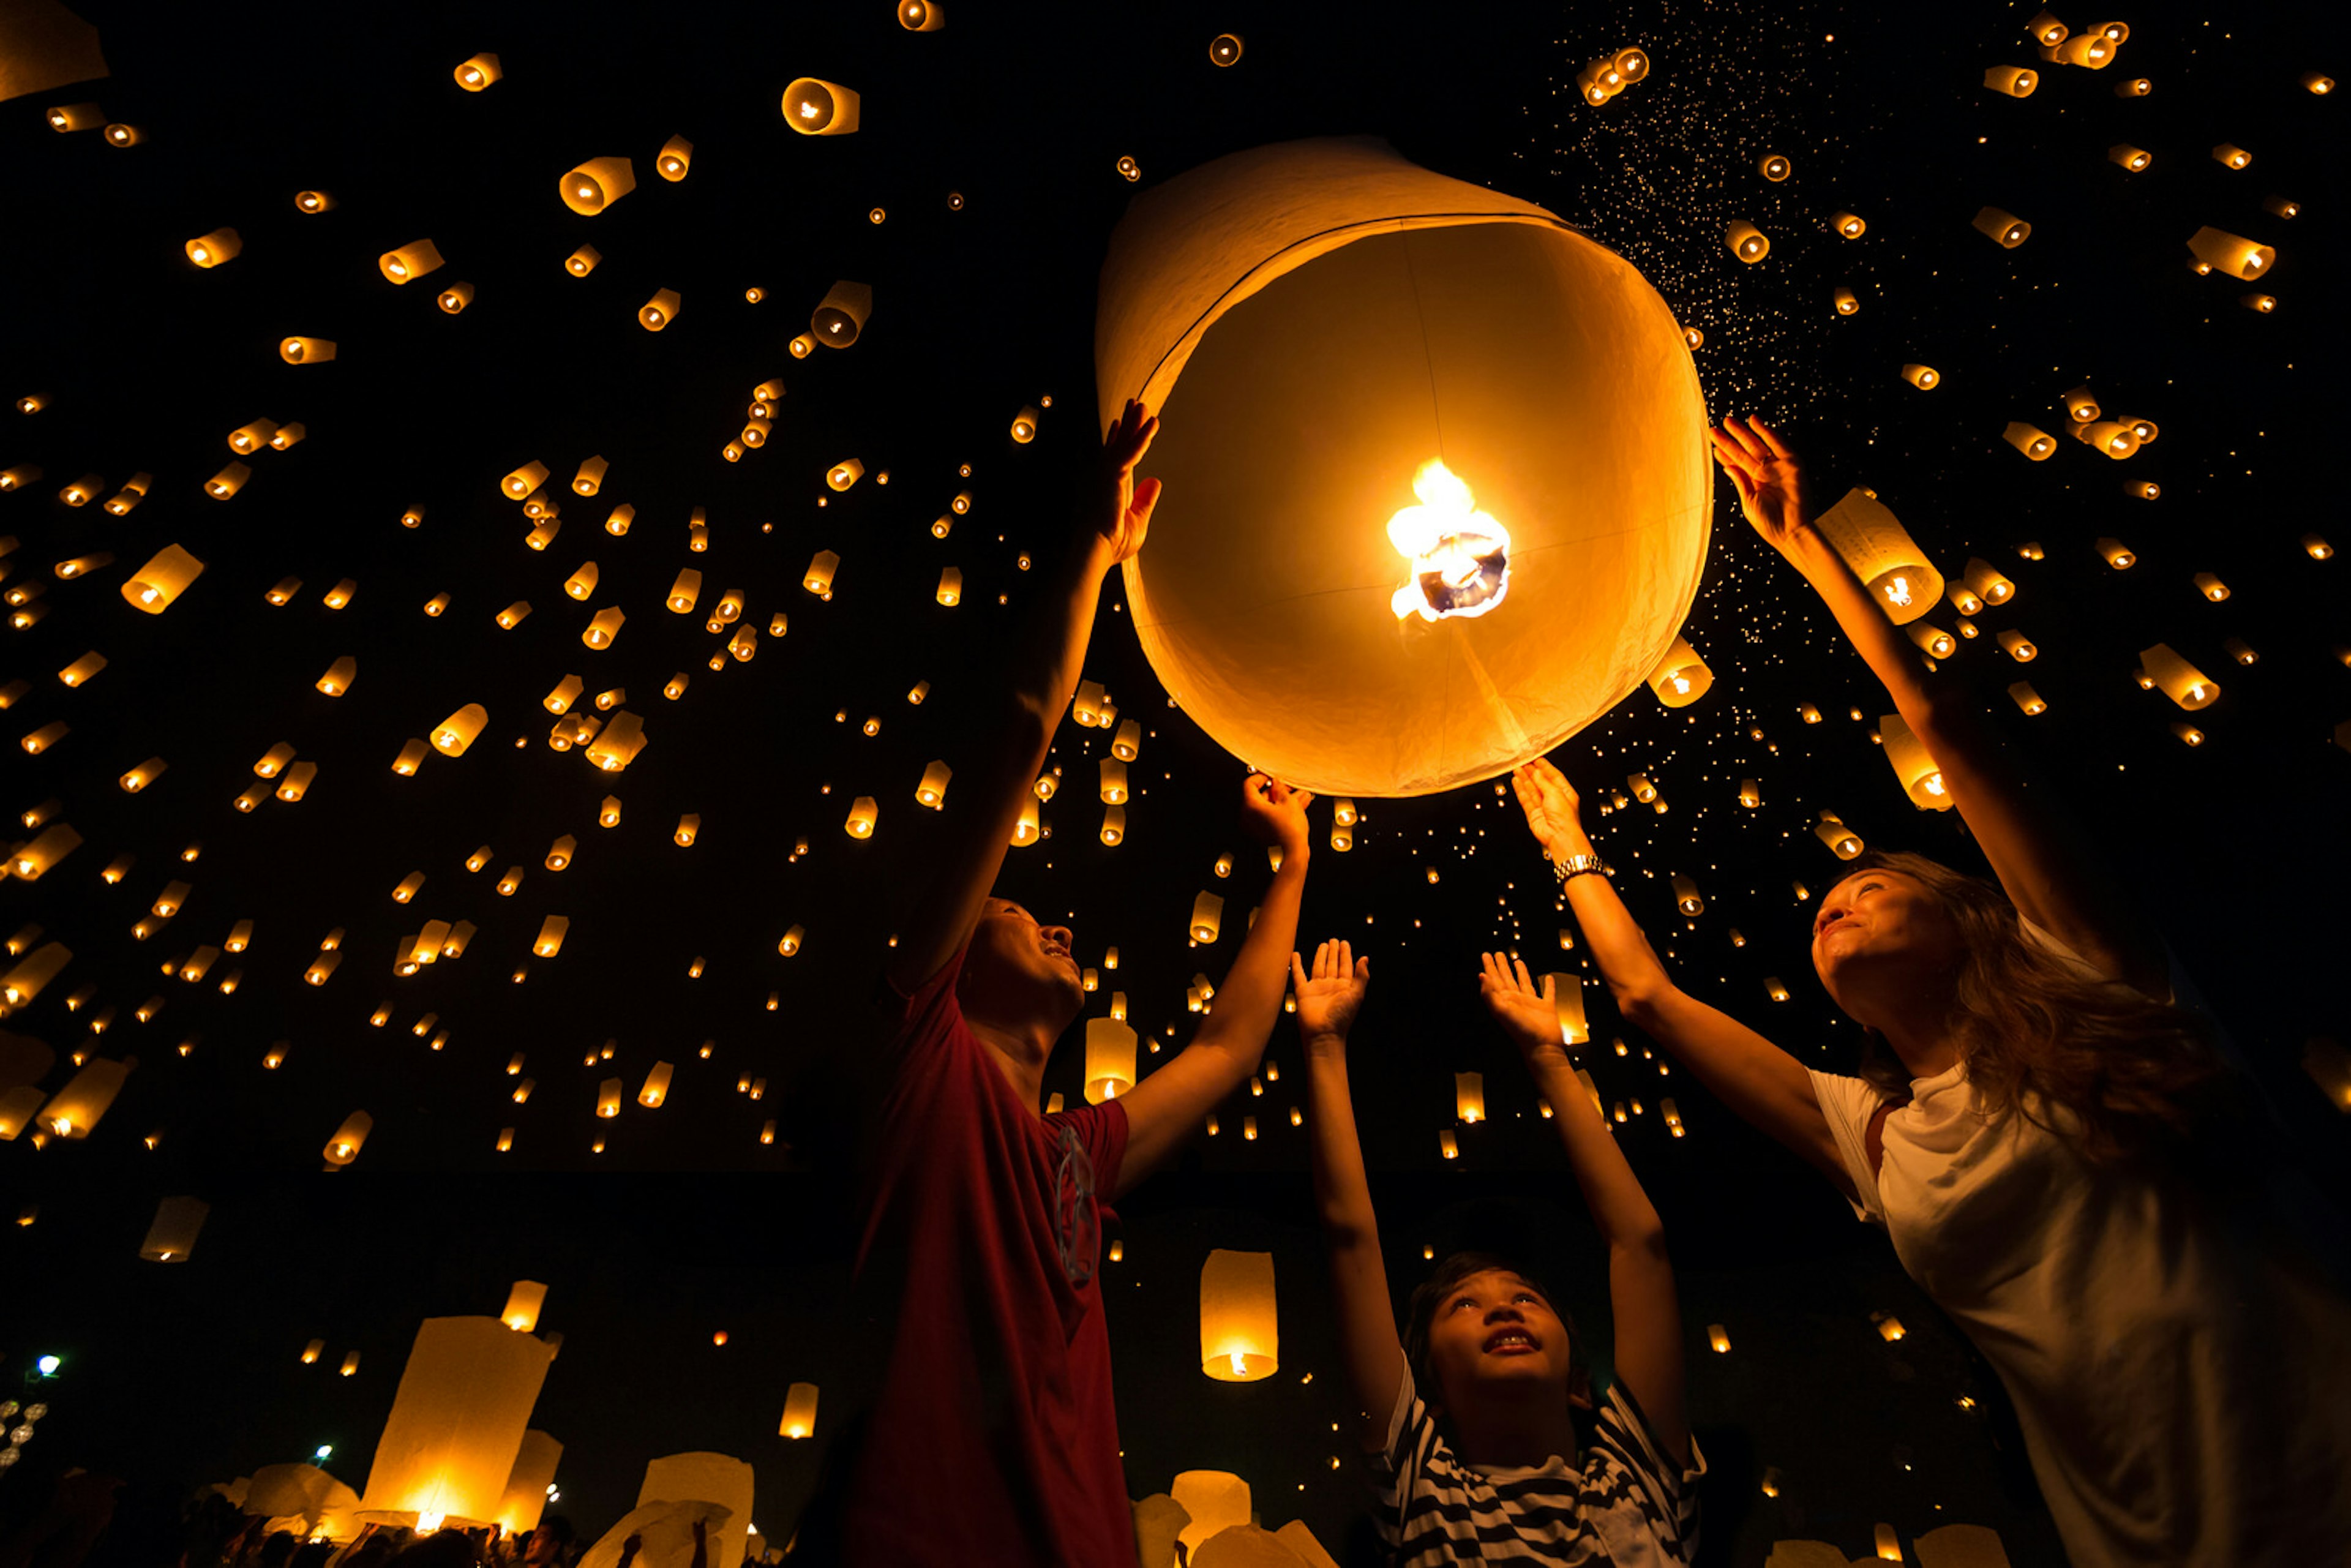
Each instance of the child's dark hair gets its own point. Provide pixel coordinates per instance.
(1434, 1292)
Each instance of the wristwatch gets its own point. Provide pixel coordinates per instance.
(1578, 865)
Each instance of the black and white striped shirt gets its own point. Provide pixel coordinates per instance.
(1627, 1503)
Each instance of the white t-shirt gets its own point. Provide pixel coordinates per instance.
(2184, 1399)
(1625, 1503)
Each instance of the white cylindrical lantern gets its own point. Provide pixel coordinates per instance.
(456, 1425)
(524, 1301)
(2178, 679)
(344, 1147)
(1922, 778)
(597, 185)
(1110, 1059)
(173, 1237)
(2239, 257)
(1239, 1335)
(1207, 917)
(1301, 276)
(814, 107)
(1681, 677)
(799, 1411)
(1889, 563)
(530, 1481)
(1469, 1096)
(841, 317)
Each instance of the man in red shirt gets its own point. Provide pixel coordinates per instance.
(994, 1439)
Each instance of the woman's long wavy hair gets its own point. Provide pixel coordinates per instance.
(2120, 1078)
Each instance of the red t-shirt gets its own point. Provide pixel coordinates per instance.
(994, 1439)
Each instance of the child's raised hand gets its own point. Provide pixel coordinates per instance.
(1524, 1009)
(1329, 999)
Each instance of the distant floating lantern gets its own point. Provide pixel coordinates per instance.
(2138, 86)
(1181, 294)
(2115, 553)
(2025, 697)
(1847, 226)
(551, 932)
(210, 250)
(950, 589)
(1772, 167)
(459, 730)
(603, 626)
(1114, 825)
(1110, 1060)
(597, 185)
(2016, 82)
(1469, 1096)
(1842, 840)
(818, 579)
(2189, 734)
(1922, 778)
(799, 1411)
(659, 311)
(1024, 424)
(2178, 679)
(2131, 158)
(862, 815)
(2047, 30)
(840, 317)
(1128, 169)
(676, 158)
(1240, 1337)
(1890, 564)
(478, 73)
(1844, 301)
(456, 297)
(2212, 587)
(339, 676)
(2229, 156)
(1225, 49)
(227, 481)
(2037, 445)
(1114, 781)
(167, 574)
(582, 261)
(344, 1147)
(2317, 82)
(2007, 228)
(814, 107)
(933, 790)
(512, 615)
(2092, 51)
(1687, 898)
(313, 202)
(1933, 639)
(2112, 437)
(410, 262)
(843, 473)
(2259, 304)
(2316, 547)
(1567, 1007)
(618, 743)
(2231, 253)
(2017, 645)
(178, 1220)
(1926, 378)
(1207, 917)
(1746, 241)
(1984, 580)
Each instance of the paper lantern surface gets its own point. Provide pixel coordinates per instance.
(527, 1483)
(457, 1424)
(716, 1479)
(1217, 1501)
(1239, 1339)
(1293, 288)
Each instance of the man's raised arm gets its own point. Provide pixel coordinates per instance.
(1026, 710)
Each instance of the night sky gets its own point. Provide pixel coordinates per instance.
(976, 198)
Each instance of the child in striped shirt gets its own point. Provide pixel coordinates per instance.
(1486, 1352)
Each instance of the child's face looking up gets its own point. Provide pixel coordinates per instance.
(1494, 1334)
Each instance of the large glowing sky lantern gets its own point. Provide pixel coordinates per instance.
(1437, 487)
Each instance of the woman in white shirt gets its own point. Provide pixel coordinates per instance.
(2056, 1150)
